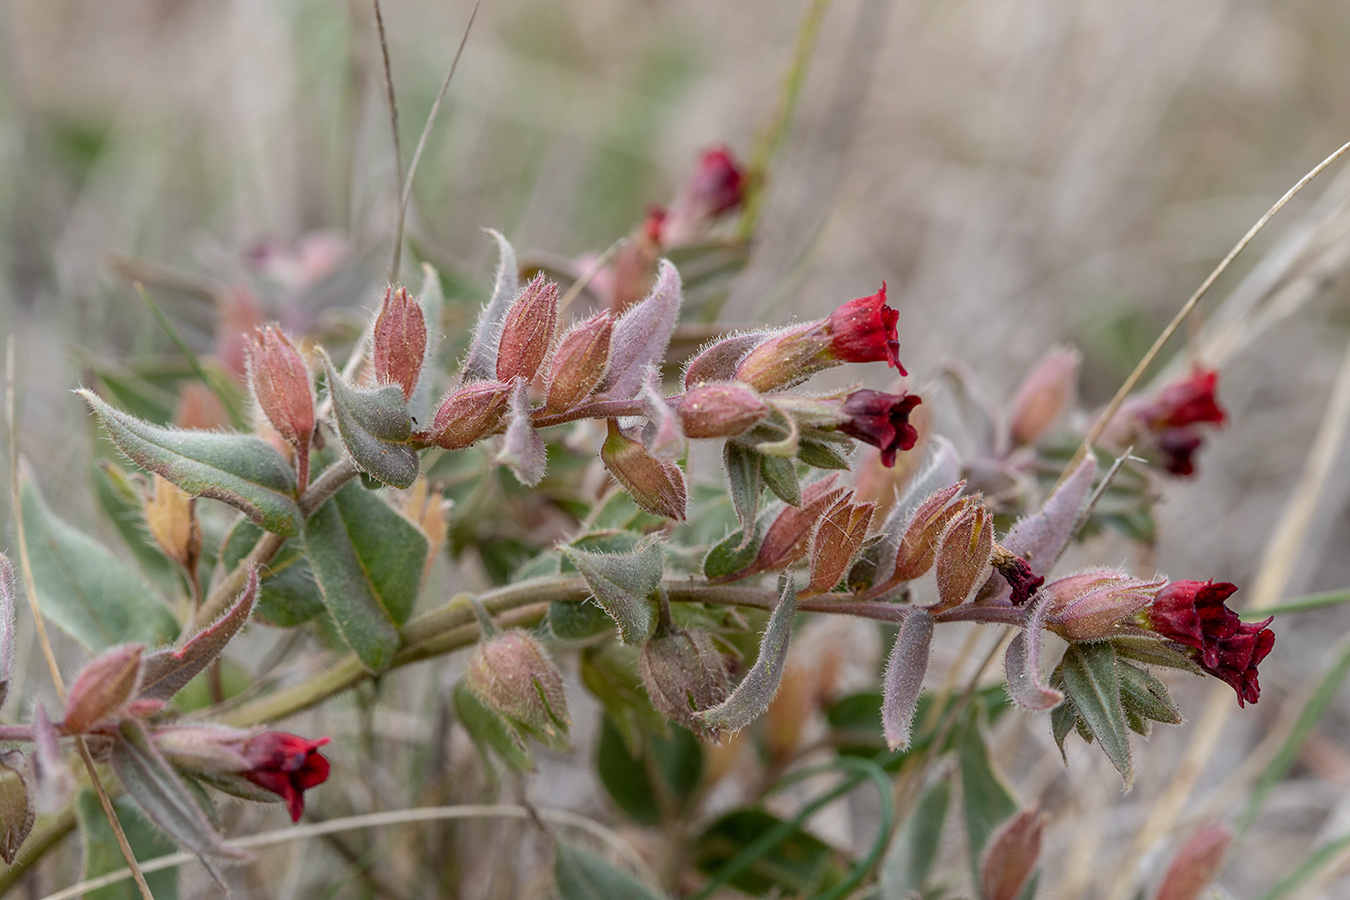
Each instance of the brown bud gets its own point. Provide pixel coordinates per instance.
(1046, 392)
(655, 484)
(470, 413)
(838, 538)
(579, 363)
(789, 537)
(963, 556)
(918, 546)
(684, 673)
(527, 330)
(1196, 863)
(281, 385)
(720, 410)
(103, 689)
(16, 805)
(1011, 856)
(400, 340)
(171, 515)
(514, 677)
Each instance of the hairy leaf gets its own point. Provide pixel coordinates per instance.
(781, 477)
(752, 696)
(904, 677)
(481, 363)
(743, 466)
(374, 425)
(239, 469)
(1092, 682)
(168, 671)
(1022, 665)
(522, 448)
(622, 584)
(287, 592)
(642, 335)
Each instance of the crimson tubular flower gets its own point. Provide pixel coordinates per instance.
(882, 420)
(1194, 614)
(1175, 412)
(287, 765)
(863, 330)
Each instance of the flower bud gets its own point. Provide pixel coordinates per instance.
(281, 385)
(684, 673)
(1011, 857)
(716, 187)
(656, 485)
(837, 539)
(286, 765)
(1196, 863)
(16, 806)
(400, 341)
(963, 556)
(579, 363)
(171, 515)
(1047, 391)
(882, 420)
(717, 361)
(1095, 605)
(720, 410)
(919, 544)
(789, 537)
(514, 677)
(103, 689)
(527, 330)
(470, 413)
(1195, 614)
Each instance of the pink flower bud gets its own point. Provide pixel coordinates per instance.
(1047, 391)
(579, 364)
(882, 420)
(1096, 605)
(717, 361)
(281, 385)
(1196, 863)
(789, 537)
(837, 539)
(103, 689)
(720, 410)
(717, 186)
(527, 330)
(400, 341)
(683, 673)
(470, 413)
(1011, 856)
(919, 544)
(656, 485)
(514, 677)
(1195, 615)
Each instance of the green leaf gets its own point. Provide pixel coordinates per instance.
(368, 560)
(610, 673)
(797, 864)
(733, 553)
(1146, 696)
(914, 849)
(85, 590)
(1092, 682)
(752, 696)
(288, 594)
(239, 469)
(985, 795)
(820, 455)
(743, 467)
(374, 425)
(581, 875)
(663, 773)
(102, 854)
(577, 620)
(622, 584)
(780, 474)
(489, 731)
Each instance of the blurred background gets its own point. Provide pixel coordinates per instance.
(1020, 172)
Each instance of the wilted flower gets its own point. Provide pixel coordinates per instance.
(514, 677)
(656, 485)
(1016, 571)
(1194, 614)
(882, 420)
(683, 673)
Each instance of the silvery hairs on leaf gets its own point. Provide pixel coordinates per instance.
(482, 359)
(752, 696)
(903, 681)
(642, 335)
(7, 625)
(168, 671)
(622, 585)
(373, 424)
(523, 449)
(1022, 664)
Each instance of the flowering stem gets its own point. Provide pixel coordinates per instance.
(600, 409)
(16, 733)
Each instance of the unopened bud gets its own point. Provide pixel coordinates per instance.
(103, 689)
(785, 357)
(717, 361)
(281, 385)
(514, 677)
(206, 749)
(16, 806)
(1047, 391)
(171, 515)
(963, 557)
(1196, 863)
(918, 545)
(527, 330)
(1011, 857)
(837, 539)
(656, 485)
(717, 186)
(720, 410)
(1097, 604)
(470, 413)
(789, 537)
(683, 674)
(400, 341)
(579, 364)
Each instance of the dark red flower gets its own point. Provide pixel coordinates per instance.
(863, 330)
(1186, 402)
(1178, 447)
(1024, 582)
(882, 420)
(718, 182)
(286, 765)
(1194, 614)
